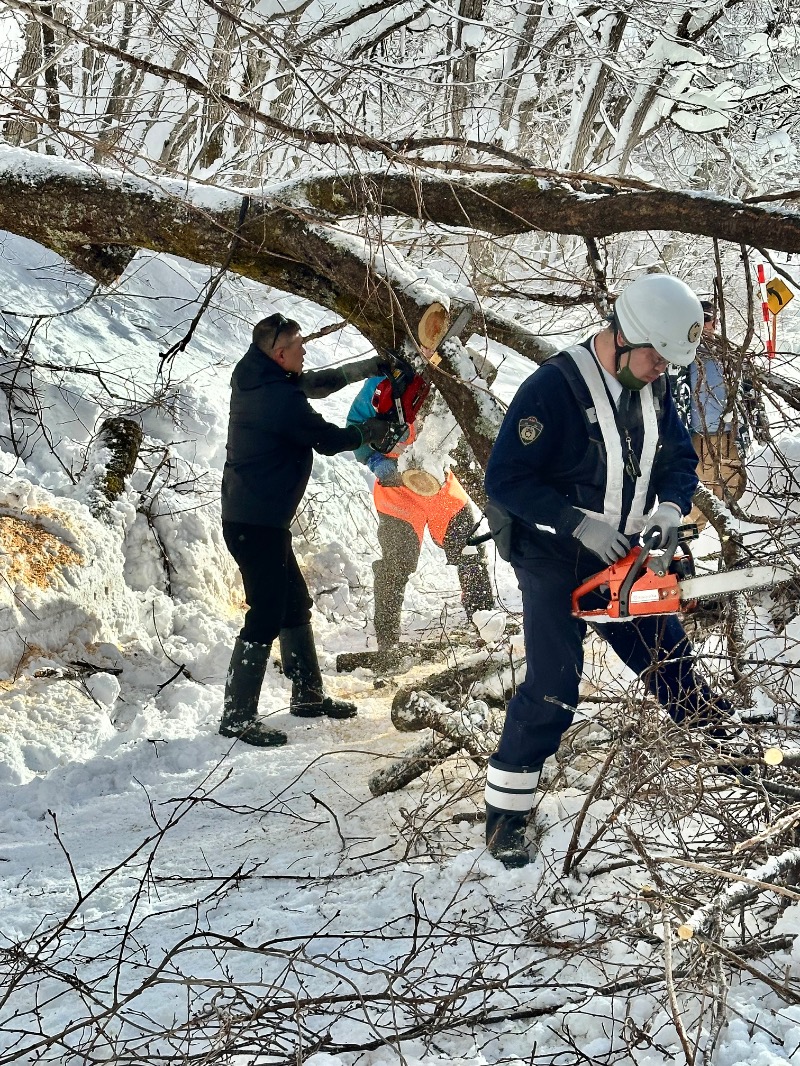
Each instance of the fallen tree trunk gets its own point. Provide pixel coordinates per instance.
(477, 731)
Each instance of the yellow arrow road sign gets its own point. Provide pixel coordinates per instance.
(778, 295)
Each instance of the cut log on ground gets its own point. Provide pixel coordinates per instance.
(473, 727)
(412, 764)
(490, 676)
(476, 729)
(396, 663)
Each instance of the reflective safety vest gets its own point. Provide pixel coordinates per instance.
(609, 493)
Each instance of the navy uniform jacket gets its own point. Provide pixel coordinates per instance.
(272, 435)
(550, 463)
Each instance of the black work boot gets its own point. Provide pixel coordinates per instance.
(509, 800)
(505, 838)
(300, 665)
(242, 688)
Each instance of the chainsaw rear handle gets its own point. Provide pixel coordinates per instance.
(609, 578)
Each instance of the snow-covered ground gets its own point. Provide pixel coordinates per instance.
(169, 896)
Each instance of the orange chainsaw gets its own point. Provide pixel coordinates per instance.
(641, 585)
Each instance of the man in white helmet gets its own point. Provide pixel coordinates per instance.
(591, 454)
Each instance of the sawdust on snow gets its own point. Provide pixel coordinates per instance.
(31, 555)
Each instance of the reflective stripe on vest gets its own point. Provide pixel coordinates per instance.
(592, 374)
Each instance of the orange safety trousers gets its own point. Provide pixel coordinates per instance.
(435, 512)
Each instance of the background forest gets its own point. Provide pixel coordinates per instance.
(172, 172)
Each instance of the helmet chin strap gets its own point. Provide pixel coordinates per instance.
(624, 375)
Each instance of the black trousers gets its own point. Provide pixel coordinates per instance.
(275, 590)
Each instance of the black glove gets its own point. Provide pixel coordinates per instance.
(602, 539)
(374, 431)
(501, 526)
(402, 371)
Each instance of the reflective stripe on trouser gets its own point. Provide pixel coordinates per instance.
(434, 511)
(510, 789)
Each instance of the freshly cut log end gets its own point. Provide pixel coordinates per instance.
(421, 482)
(433, 325)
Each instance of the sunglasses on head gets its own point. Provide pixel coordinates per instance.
(282, 324)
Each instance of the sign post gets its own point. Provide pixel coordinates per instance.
(769, 343)
(778, 296)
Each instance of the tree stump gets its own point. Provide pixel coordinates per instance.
(122, 437)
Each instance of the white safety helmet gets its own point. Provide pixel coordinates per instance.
(661, 311)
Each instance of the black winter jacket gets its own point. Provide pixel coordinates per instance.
(272, 434)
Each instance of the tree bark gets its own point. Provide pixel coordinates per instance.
(23, 128)
(94, 218)
(413, 763)
(121, 439)
(60, 208)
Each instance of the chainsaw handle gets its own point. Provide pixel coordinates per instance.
(592, 584)
(678, 537)
(639, 563)
(395, 431)
(660, 564)
(652, 539)
(402, 372)
(619, 577)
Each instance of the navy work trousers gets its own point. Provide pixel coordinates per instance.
(655, 648)
(275, 590)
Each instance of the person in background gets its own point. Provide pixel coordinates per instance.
(272, 434)
(403, 516)
(590, 454)
(715, 425)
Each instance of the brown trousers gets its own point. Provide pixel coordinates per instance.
(720, 468)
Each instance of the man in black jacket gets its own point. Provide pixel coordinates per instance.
(272, 434)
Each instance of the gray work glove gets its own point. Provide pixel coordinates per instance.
(602, 539)
(667, 519)
(362, 369)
